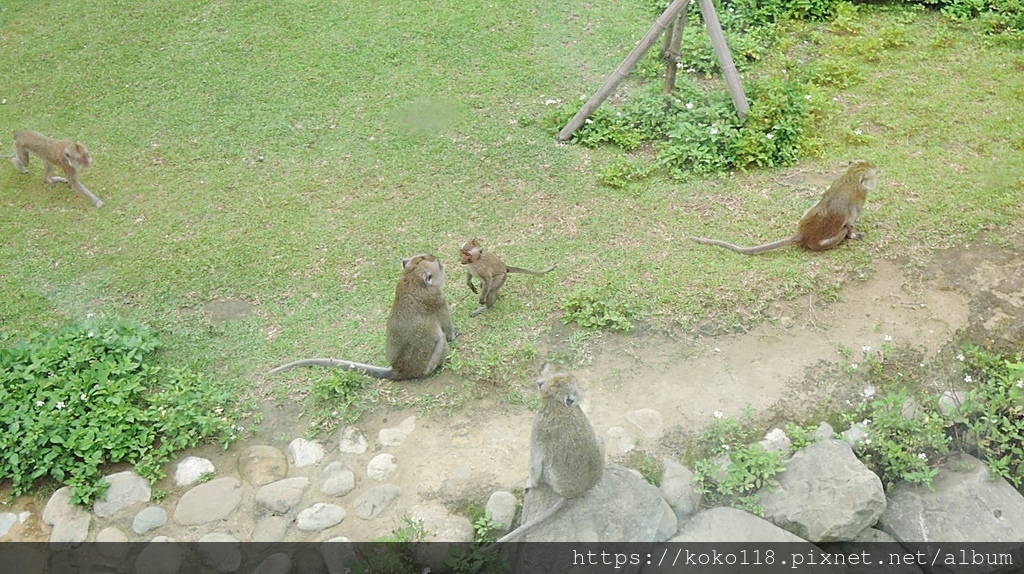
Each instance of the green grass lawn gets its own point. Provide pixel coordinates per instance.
(291, 153)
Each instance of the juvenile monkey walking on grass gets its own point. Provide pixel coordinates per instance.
(830, 221)
(70, 156)
(491, 272)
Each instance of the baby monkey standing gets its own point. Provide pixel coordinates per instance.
(830, 221)
(491, 272)
(70, 156)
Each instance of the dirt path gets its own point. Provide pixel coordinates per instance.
(655, 389)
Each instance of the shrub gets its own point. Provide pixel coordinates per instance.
(994, 412)
(92, 394)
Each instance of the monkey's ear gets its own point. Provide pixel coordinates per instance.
(568, 400)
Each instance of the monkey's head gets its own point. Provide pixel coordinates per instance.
(77, 155)
(470, 251)
(561, 387)
(426, 268)
(863, 173)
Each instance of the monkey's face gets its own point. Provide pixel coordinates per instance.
(470, 252)
(77, 155)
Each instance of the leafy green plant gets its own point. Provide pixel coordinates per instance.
(471, 559)
(339, 397)
(901, 445)
(598, 308)
(994, 412)
(735, 482)
(91, 394)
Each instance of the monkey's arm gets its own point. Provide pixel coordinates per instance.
(469, 281)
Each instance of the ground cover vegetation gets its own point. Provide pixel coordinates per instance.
(289, 155)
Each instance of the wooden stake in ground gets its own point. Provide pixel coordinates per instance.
(623, 70)
(672, 51)
(732, 77)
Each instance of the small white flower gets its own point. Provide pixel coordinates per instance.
(869, 391)
(589, 121)
(689, 105)
(857, 132)
(866, 348)
(853, 365)
(888, 339)
(725, 447)
(583, 97)
(83, 396)
(550, 102)
(808, 97)
(39, 403)
(719, 414)
(1020, 384)
(867, 441)
(60, 405)
(90, 334)
(714, 131)
(865, 422)
(922, 456)
(960, 357)
(968, 379)
(618, 114)
(769, 136)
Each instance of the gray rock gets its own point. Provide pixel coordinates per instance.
(278, 563)
(824, 432)
(70, 523)
(207, 502)
(951, 401)
(270, 529)
(283, 495)
(191, 469)
(776, 441)
(825, 494)
(262, 464)
(855, 434)
(7, 520)
(731, 525)
(877, 544)
(678, 490)
(305, 453)
(126, 488)
(647, 420)
(224, 555)
(669, 524)
(149, 519)
(337, 479)
(339, 555)
(441, 525)
(395, 436)
(372, 502)
(320, 516)
(162, 555)
(382, 467)
(620, 441)
(501, 508)
(113, 543)
(620, 508)
(967, 503)
(351, 441)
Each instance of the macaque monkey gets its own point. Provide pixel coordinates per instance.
(486, 266)
(418, 329)
(70, 156)
(565, 453)
(830, 221)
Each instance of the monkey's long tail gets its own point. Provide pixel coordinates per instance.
(749, 250)
(527, 271)
(371, 370)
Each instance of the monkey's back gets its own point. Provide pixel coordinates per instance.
(836, 210)
(572, 459)
(414, 333)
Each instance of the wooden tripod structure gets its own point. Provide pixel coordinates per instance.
(676, 11)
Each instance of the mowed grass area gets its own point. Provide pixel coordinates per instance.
(291, 153)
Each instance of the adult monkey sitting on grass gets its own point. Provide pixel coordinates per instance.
(419, 326)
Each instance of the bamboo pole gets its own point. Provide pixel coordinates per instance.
(732, 77)
(623, 70)
(672, 51)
